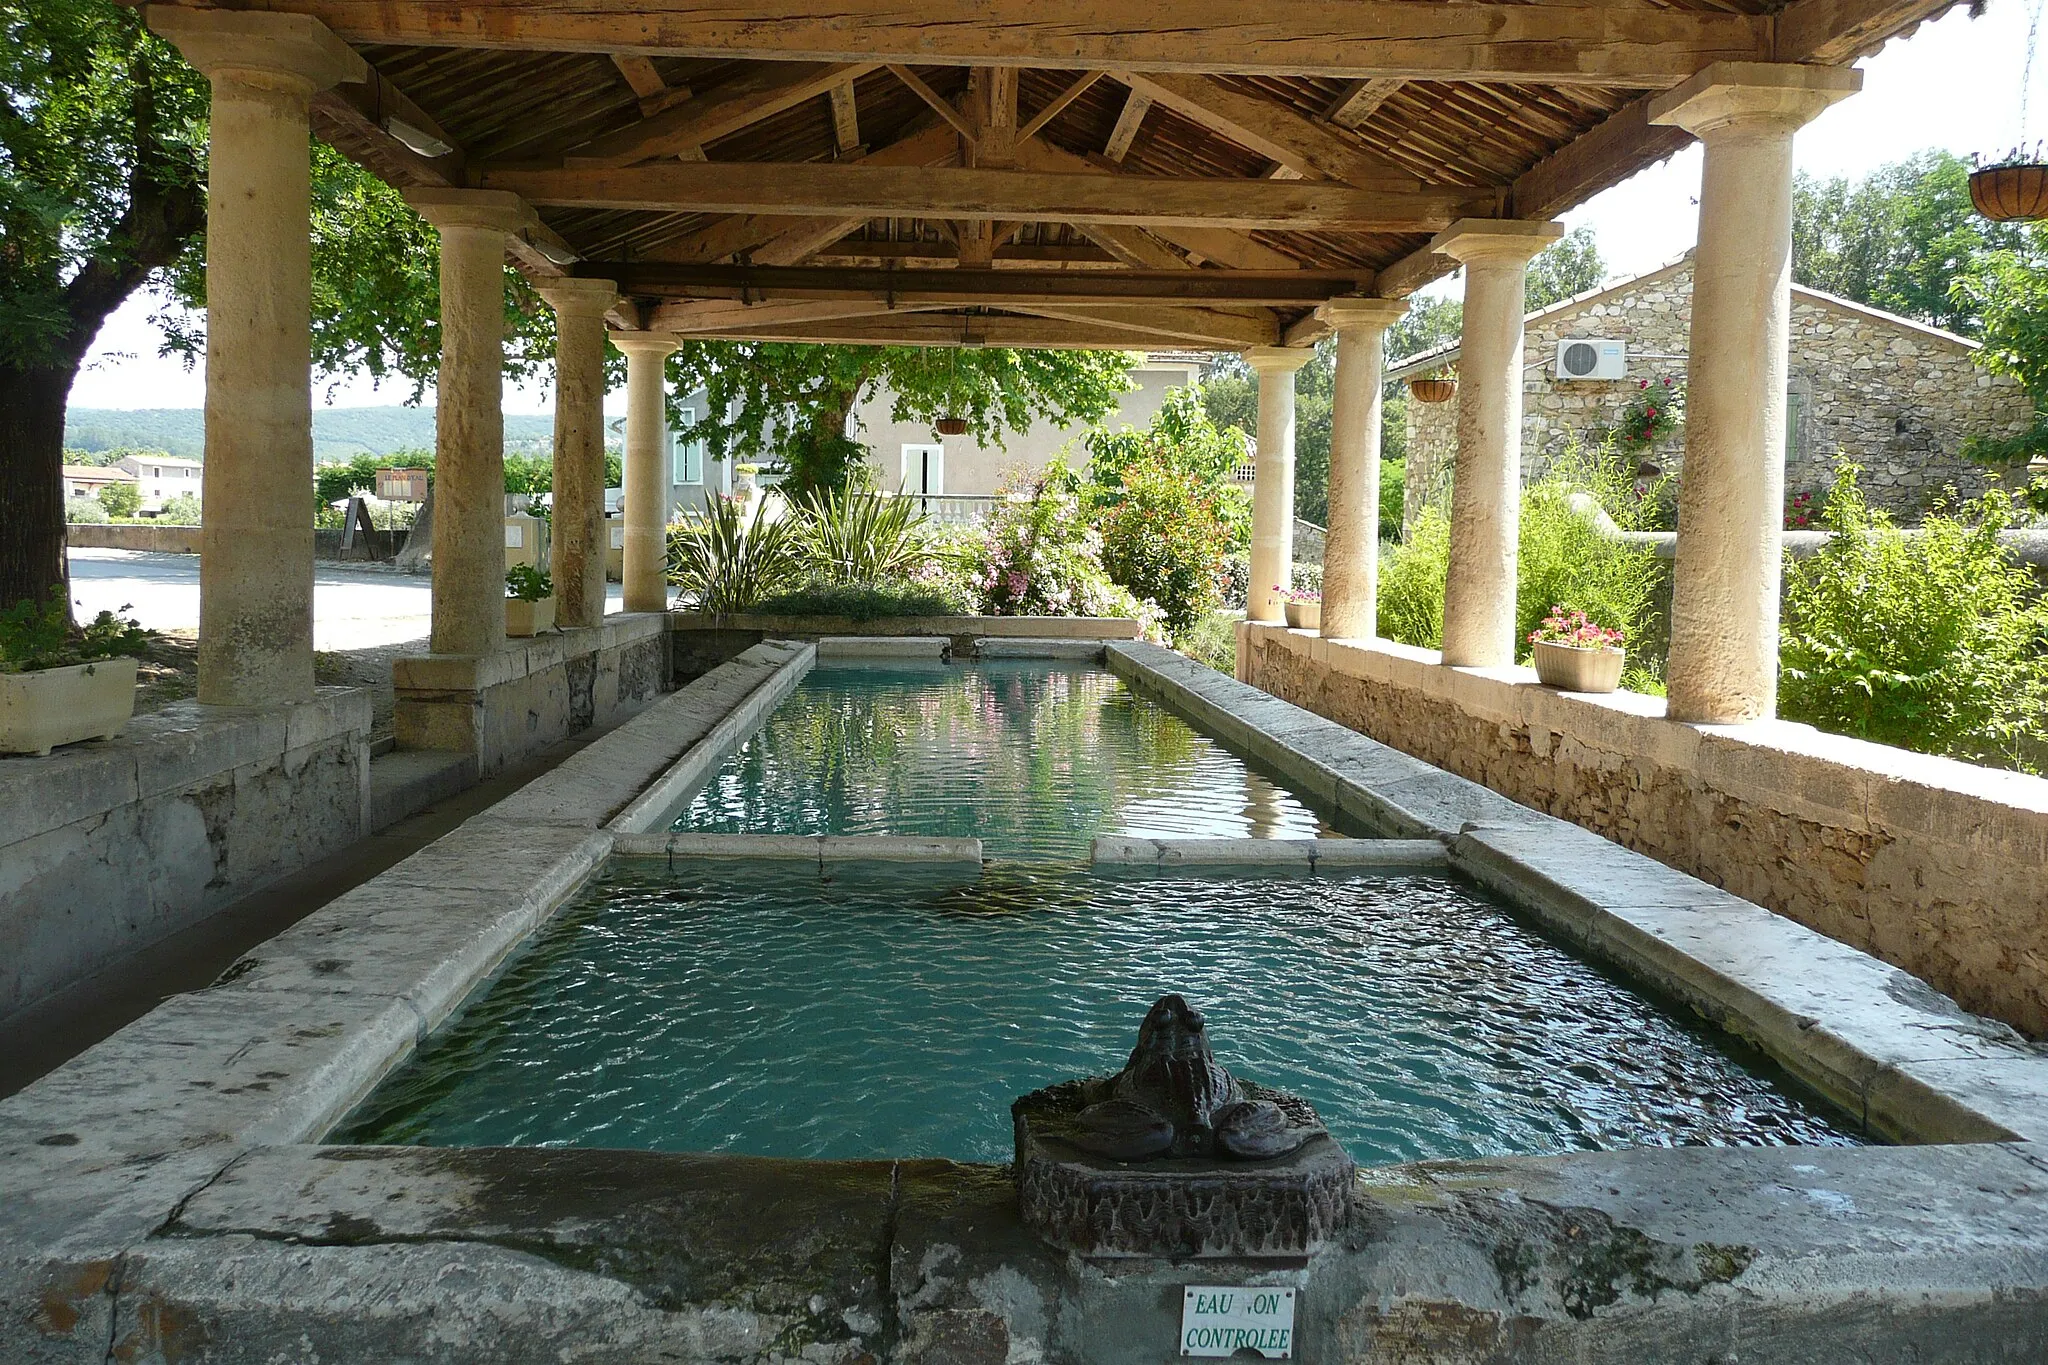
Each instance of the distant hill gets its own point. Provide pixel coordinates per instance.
(338, 433)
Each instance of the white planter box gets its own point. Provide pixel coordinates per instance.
(1305, 615)
(40, 710)
(1572, 669)
(529, 618)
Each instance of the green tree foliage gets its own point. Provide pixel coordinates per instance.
(183, 510)
(1897, 239)
(790, 401)
(121, 499)
(1182, 438)
(2006, 290)
(1931, 641)
(1570, 265)
(101, 132)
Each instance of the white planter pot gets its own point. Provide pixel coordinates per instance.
(40, 710)
(1305, 615)
(1572, 669)
(528, 618)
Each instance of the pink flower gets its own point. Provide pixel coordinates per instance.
(1017, 582)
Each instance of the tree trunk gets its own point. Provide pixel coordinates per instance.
(32, 403)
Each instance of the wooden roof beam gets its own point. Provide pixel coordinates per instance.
(850, 189)
(951, 329)
(1136, 105)
(938, 104)
(1301, 145)
(1058, 104)
(713, 114)
(1361, 100)
(653, 93)
(1551, 44)
(968, 284)
(1202, 326)
(845, 119)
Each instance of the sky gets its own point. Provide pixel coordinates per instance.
(1955, 84)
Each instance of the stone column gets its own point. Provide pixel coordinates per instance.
(469, 417)
(1486, 489)
(256, 561)
(1723, 665)
(1273, 479)
(1351, 557)
(578, 548)
(646, 557)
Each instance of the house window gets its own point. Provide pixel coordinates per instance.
(924, 469)
(689, 455)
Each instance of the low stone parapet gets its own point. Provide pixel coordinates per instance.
(1933, 865)
(508, 704)
(166, 540)
(111, 846)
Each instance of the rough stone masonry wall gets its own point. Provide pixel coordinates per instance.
(1898, 400)
(1932, 865)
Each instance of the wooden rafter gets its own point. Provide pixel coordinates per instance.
(859, 188)
(746, 99)
(958, 329)
(1057, 105)
(654, 93)
(1362, 99)
(936, 102)
(1299, 144)
(1202, 326)
(1554, 44)
(1136, 105)
(845, 119)
(986, 286)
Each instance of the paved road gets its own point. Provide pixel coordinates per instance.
(354, 606)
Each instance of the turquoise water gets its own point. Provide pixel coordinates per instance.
(1034, 760)
(887, 1013)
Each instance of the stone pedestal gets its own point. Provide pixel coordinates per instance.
(1181, 1208)
(1723, 665)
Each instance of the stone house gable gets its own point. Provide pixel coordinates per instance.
(1896, 396)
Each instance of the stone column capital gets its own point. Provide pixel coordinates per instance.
(293, 52)
(1495, 239)
(659, 345)
(1373, 315)
(486, 210)
(579, 296)
(1757, 96)
(1278, 359)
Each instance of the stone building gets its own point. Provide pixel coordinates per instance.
(1894, 395)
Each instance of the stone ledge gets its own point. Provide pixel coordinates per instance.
(1122, 850)
(968, 627)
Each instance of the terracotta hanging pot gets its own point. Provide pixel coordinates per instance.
(2011, 193)
(1432, 390)
(951, 426)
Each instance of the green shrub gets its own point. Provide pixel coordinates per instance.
(1212, 641)
(848, 535)
(725, 559)
(84, 511)
(1393, 497)
(1164, 539)
(528, 583)
(1931, 642)
(182, 510)
(38, 635)
(1562, 559)
(121, 499)
(871, 601)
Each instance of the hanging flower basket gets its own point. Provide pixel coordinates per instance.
(2015, 192)
(1433, 390)
(951, 426)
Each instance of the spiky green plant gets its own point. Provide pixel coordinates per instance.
(727, 558)
(850, 535)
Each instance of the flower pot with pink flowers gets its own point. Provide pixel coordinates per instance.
(1304, 609)
(1575, 653)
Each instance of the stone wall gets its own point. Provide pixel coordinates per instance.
(507, 705)
(171, 540)
(1896, 397)
(108, 847)
(1933, 865)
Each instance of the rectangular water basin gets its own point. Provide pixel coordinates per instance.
(893, 1012)
(1034, 759)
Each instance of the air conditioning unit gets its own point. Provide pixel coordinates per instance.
(1592, 359)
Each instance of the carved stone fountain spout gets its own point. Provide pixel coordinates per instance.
(1174, 1156)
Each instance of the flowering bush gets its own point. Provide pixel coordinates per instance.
(1652, 414)
(1164, 539)
(1037, 556)
(1576, 629)
(1799, 512)
(1299, 594)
